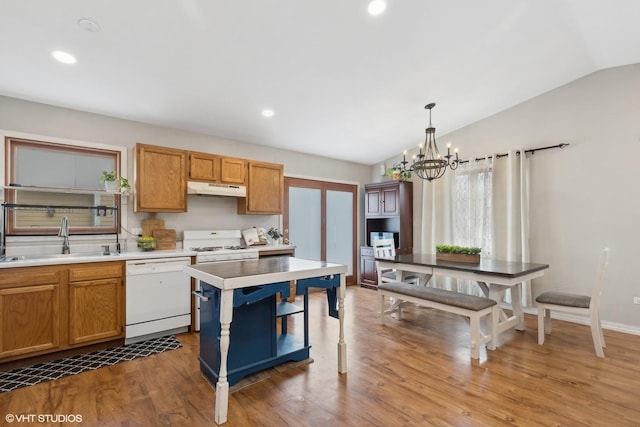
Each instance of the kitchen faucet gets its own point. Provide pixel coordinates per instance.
(64, 233)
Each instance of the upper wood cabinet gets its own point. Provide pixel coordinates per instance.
(265, 189)
(382, 200)
(233, 171)
(389, 209)
(161, 179)
(204, 167)
(213, 168)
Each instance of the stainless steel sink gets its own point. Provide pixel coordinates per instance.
(57, 256)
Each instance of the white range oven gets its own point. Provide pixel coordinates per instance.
(216, 246)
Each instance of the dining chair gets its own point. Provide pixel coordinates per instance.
(386, 248)
(575, 304)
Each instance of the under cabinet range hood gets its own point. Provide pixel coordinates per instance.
(211, 189)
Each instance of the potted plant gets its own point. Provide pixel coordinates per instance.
(275, 235)
(398, 173)
(468, 254)
(112, 183)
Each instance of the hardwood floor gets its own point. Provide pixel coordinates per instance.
(413, 372)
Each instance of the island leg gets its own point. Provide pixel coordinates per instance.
(222, 386)
(342, 345)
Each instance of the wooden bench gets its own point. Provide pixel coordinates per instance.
(471, 306)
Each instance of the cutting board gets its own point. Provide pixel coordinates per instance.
(150, 224)
(165, 239)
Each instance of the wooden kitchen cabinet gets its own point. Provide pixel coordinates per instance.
(161, 179)
(233, 171)
(32, 311)
(214, 168)
(96, 302)
(204, 167)
(388, 210)
(383, 199)
(49, 309)
(265, 189)
(368, 272)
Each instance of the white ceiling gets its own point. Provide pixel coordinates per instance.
(343, 84)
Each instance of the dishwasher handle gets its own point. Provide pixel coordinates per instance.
(200, 296)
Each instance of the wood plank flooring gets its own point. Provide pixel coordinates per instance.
(414, 372)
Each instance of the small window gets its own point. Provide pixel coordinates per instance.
(56, 180)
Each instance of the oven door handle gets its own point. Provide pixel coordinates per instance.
(199, 295)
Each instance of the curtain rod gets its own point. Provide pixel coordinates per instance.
(530, 150)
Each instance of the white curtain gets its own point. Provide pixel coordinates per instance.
(437, 219)
(484, 204)
(473, 212)
(511, 213)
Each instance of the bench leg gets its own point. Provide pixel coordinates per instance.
(381, 307)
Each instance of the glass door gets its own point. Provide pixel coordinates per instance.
(320, 220)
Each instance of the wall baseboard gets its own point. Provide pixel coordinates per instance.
(627, 329)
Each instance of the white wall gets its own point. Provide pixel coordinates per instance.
(204, 212)
(583, 197)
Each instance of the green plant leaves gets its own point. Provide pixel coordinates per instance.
(453, 249)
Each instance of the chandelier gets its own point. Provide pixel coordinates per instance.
(428, 164)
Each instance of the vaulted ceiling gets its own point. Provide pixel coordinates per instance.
(341, 83)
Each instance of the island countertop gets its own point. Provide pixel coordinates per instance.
(240, 274)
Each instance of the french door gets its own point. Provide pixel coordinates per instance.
(320, 218)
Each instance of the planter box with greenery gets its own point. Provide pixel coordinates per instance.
(455, 253)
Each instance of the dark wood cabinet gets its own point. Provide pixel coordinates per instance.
(388, 210)
(383, 201)
(368, 273)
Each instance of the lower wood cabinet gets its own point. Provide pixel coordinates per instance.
(95, 305)
(368, 272)
(31, 310)
(46, 309)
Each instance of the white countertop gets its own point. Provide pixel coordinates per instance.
(94, 257)
(240, 274)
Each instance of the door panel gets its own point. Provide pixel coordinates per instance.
(320, 218)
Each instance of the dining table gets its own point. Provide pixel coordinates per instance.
(494, 277)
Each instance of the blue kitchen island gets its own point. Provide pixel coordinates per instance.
(239, 312)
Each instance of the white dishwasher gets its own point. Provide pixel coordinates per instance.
(158, 298)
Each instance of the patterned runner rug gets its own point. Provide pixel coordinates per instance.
(22, 377)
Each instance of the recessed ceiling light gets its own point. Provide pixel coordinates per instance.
(64, 57)
(267, 113)
(89, 25)
(376, 7)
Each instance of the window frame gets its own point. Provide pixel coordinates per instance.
(13, 140)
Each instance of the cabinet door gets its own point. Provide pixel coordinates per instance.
(390, 201)
(233, 171)
(265, 189)
(373, 203)
(95, 311)
(161, 179)
(30, 319)
(204, 167)
(30, 311)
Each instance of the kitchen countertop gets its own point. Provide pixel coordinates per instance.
(35, 260)
(239, 274)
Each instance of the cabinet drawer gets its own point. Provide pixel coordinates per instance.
(10, 277)
(366, 251)
(98, 270)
